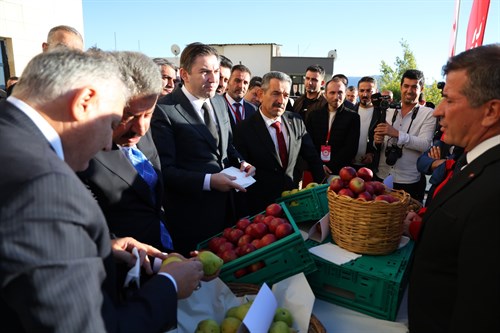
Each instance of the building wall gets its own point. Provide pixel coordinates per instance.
(255, 56)
(24, 25)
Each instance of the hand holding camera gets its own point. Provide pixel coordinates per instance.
(392, 151)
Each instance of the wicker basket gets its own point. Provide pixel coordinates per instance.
(367, 227)
(241, 289)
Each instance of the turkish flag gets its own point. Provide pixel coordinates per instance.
(477, 23)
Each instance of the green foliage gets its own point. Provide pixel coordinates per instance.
(391, 77)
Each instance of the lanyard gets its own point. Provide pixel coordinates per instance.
(236, 116)
(330, 127)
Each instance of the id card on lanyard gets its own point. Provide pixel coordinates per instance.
(326, 149)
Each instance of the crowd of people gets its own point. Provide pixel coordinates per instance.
(111, 151)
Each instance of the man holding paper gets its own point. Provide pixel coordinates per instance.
(192, 134)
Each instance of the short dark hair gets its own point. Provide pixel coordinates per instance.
(255, 81)
(343, 78)
(225, 61)
(334, 79)
(194, 50)
(414, 74)
(241, 68)
(368, 79)
(316, 69)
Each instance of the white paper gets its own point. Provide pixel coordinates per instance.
(333, 253)
(324, 229)
(260, 315)
(403, 242)
(295, 294)
(134, 274)
(240, 176)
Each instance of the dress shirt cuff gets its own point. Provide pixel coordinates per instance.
(206, 182)
(171, 279)
(403, 139)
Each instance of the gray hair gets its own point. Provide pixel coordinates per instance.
(266, 79)
(141, 74)
(50, 75)
(164, 62)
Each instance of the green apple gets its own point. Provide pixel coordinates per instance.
(231, 312)
(211, 262)
(169, 259)
(284, 315)
(279, 327)
(285, 193)
(242, 310)
(207, 326)
(230, 325)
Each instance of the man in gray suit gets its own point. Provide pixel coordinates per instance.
(192, 133)
(57, 271)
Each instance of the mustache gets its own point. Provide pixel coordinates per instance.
(130, 135)
(279, 105)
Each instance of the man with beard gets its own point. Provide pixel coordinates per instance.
(404, 136)
(334, 128)
(313, 98)
(168, 75)
(237, 108)
(193, 137)
(225, 72)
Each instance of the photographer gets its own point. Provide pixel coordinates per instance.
(406, 133)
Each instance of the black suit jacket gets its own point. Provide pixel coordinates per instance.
(57, 272)
(344, 135)
(124, 196)
(455, 279)
(250, 110)
(187, 152)
(257, 147)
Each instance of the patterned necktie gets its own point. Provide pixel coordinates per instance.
(281, 144)
(210, 123)
(238, 112)
(147, 172)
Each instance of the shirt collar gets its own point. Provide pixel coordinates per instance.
(195, 101)
(269, 121)
(47, 130)
(482, 147)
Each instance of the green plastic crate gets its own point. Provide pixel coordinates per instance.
(373, 285)
(283, 258)
(307, 205)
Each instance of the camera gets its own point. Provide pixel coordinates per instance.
(392, 153)
(383, 102)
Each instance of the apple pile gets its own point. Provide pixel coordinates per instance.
(250, 235)
(360, 185)
(296, 190)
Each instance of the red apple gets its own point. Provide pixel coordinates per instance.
(347, 173)
(258, 218)
(235, 235)
(274, 209)
(378, 187)
(245, 249)
(256, 266)
(245, 239)
(385, 197)
(224, 247)
(267, 239)
(365, 196)
(283, 230)
(266, 220)
(369, 187)
(240, 272)
(346, 192)
(243, 223)
(226, 232)
(214, 243)
(257, 230)
(365, 174)
(228, 255)
(256, 243)
(336, 185)
(274, 223)
(357, 185)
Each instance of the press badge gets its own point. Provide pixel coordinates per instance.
(326, 153)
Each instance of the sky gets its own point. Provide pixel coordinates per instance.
(363, 32)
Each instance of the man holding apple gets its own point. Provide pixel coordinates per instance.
(455, 278)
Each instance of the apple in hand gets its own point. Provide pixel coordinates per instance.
(347, 173)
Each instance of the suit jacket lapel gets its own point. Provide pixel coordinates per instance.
(293, 150)
(263, 133)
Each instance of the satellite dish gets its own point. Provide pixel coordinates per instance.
(175, 49)
(332, 54)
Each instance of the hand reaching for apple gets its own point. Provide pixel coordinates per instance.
(122, 251)
(409, 219)
(187, 273)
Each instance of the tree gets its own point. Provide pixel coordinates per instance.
(391, 78)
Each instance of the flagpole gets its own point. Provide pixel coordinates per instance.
(454, 30)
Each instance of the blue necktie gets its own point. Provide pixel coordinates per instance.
(147, 172)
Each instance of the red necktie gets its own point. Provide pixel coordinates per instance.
(237, 113)
(281, 144)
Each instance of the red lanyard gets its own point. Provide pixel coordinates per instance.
(234, 111)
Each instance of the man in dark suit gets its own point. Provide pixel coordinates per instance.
(238, 109)
(258, 140)
(455, 278)
(193, 136)
(57, 272)
(131, 205)
(334, 129)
